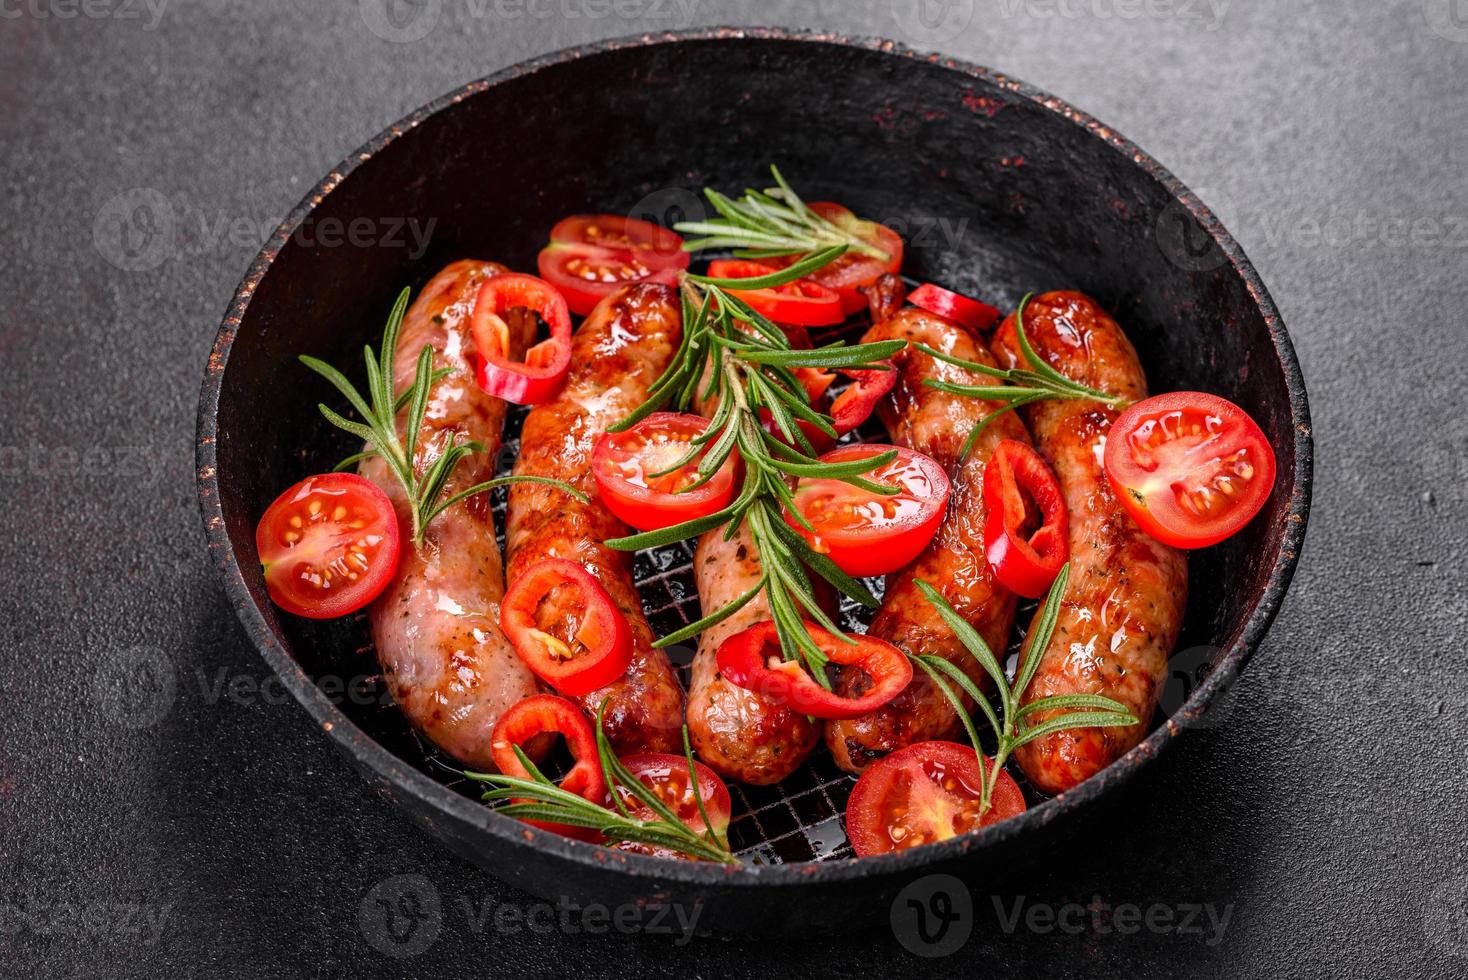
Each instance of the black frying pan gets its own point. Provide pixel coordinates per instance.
(999, 189)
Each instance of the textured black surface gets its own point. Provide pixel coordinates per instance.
(1028, 197)
(1325, 806)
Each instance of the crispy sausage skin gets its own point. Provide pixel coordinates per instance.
(738, 733)
(617, 353)
(935, 424)
(1124, 606)
(436, 627)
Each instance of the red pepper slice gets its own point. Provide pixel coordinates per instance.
(546, 714)
(850, 409)
(855, 405)
(752, 660)
(956, 307)
(803, 302)
(603, 636)
(1025, 564)
(539, 376)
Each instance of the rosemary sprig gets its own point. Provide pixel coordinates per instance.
(537, 798)
(1081, 710)
(379, 429)
(1021, 386)
(769, 223)
(732, 353)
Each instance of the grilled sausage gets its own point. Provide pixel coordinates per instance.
(1124, 605)
(617, 353)
(738, 733)
(436, 626)
(935, 424)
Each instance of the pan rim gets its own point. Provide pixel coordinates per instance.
(368, 752)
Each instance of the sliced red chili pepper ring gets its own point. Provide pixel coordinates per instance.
(600, 645)
(1026, 564)
(539, 376)
(954, 306)
(803, 302)
(752, 660)
(545, 715)
(855, 405)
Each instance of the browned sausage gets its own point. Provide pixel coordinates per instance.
(616, 355)
(436, 627)
(1124, 606)
(935, 424)
(738, 733)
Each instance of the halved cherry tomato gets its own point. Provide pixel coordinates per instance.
(588, 274)
(1026, 563)
(545, 714)
(853, 270)
(923, 794)
(667, 776)
(867, 533)
(591, 255)
(752, 660)
(329, 545)
(598, 644)
(626, 466)
(651, 244)
(1190, 468)
(956, 307)
(540, 375)
(801, 303)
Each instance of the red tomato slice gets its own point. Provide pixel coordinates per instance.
(1191, 468)
(923, 794)
(540, 375)
(667, 776)
(545, 714)
(848, 274)
(866, 533)
(960, 309)
(329, 545)
(802, 303)
(575, 663)
(591, 256)
(652, 245)
(588, 274)
(627, 467)
(752, 660)
(1026, 562)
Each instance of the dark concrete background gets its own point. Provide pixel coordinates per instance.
(213, 832)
